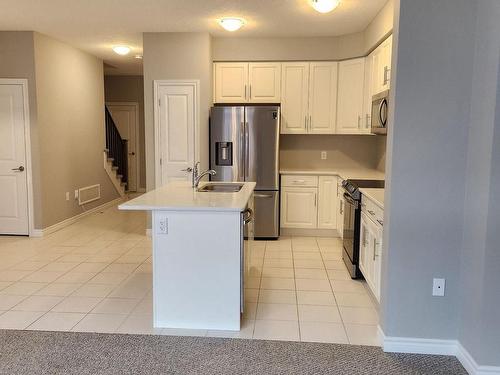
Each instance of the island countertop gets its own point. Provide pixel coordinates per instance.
(181, 196)
(375, 195)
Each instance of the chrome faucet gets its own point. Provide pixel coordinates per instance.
(197, 177)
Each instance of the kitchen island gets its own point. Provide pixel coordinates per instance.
(198, 254)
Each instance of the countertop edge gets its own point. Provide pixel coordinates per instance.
(368, 193)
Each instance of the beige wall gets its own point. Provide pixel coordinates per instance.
(283, 49)
(129, 89)
(176, 56)
(347, 151)
(17, 60)
(380, 27)
(70, 110)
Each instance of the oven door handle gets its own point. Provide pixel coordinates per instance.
(348, 198)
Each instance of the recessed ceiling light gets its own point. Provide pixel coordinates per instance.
(324, 6)
(231, 24)
(138, 56)
(121, 50)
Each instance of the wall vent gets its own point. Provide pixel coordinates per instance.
(89, 194)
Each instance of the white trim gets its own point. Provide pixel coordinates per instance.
(138, 148)
(32, 232)
(195, 83)
(148, 232)
(436, 346)
(108, 167)
(80, 202)
(74, 219)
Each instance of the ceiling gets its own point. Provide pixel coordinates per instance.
(96, 25)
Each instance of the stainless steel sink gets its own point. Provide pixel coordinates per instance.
(221, 188)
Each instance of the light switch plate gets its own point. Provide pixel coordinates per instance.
(162, 225)
(438, 286)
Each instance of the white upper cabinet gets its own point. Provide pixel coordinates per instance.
(368, 94)
(231, 82)
(350, 96)
(322, 97)
(381, 59)
(264, 82)
(294, 97)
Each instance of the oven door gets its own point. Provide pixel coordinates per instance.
(349, 227)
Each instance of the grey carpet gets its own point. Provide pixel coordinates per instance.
(32, 352)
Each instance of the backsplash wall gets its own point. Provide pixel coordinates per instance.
(346, 151)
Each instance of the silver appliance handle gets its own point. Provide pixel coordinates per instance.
(249, 216)
(247, 150)
(383, 121)
(257, 195)
(348, 198)
(241, 161)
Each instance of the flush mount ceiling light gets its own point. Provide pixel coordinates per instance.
(138, 57)
(121, 50)
(324, 6)
(231, 24)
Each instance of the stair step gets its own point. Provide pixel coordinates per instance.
(123, 183)
(119, 176)
(114, 168)
(111, 160)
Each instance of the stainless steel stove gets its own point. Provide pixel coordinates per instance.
(352, 222)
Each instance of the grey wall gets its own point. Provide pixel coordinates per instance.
(176, 56)
(129, 89)
(426, 155)
(346, 151)
(17, 60)
(480, 271)
(70, 110)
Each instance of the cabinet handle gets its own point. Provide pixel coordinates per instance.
(341, 209)
(245, 92)
(250, 92)
(315, 197)
(305, 122)
(371, 212)
(374, 248)
(359, 121)
(299, 181)
(310, 122)
(368, 118)
(381, 222)
(386, 74)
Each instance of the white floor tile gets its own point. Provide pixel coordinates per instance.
(58, 267)
(323, 332)
(277, 283)
(308, 263)
(104, 323)
(276, 330)
(278, 272)
(8, 301)
(310, 273)
(308, 255)
(246, 331)
(108, 278)
(277, 296)
(13, 275)
(251, 295)
(315, 298)
(28, 266)
(276, 311)
(22, 288)
(38, 303)
(348, 286)
(116, 306)
(363, 334)
(58, 289)
(279, 263)
(312, 284)
(338, 275)
(358, 315)
(317, 313)
(121, 268)
(18, 319)
(56, 321)
(138, 324)
(90, 267)
(76, 277)
(353, 299)
(93, 290)
(77, 304)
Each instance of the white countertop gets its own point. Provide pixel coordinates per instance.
(344, 173)
(180, 196)
(375, 195)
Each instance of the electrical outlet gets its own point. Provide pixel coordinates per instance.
(67, 195)
(162, 226)
(438, 287)
(323, 155)
(76, 194)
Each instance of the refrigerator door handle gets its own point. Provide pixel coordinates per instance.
(247, 150)
(241, 162)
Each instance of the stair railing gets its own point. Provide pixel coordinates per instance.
(117, 147)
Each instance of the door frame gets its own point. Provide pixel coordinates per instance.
(137, 143)
(157, 84)
(32, 232)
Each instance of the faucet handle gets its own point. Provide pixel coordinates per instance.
(196, 166)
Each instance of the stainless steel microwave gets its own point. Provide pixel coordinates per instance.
(380, 111)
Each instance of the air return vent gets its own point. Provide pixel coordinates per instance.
(89, 194)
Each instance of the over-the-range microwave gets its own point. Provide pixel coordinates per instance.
(380, 110)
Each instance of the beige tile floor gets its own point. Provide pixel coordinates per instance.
(95, 276)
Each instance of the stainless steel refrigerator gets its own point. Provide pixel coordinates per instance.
(244, 146)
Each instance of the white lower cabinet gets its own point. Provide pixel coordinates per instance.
(309, 202)
(370, 247)
(340, 207)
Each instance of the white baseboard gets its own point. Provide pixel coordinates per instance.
(141, 190)
(309, 232)
(436, 346)
(74, 219)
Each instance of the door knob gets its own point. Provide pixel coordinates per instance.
(131, 153)
(19, 169)
(189, 169)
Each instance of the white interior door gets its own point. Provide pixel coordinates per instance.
(125, 116)
(176, 131)
(13, 176)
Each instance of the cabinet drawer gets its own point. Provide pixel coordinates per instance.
(296, 180)
(371, 210)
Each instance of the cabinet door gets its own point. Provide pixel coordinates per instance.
(264, 82)
(322, 97)
(364, 249)
(386, 62)
(327, 202)
(340, 208)
(299, 207)
(350, 96)
(368, 94)
(294, 97)
(231, 82)
(377, 261)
